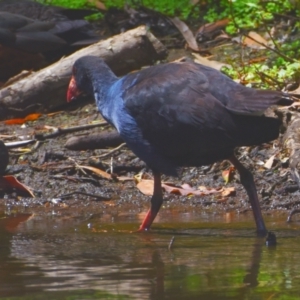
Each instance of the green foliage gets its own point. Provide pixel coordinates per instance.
(181, 8)
(66, 3)
(291, 49)
(258, 14)
(261, 75)
(74, 4)
(246, 14)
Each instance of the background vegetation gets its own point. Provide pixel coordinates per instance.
(259, 15)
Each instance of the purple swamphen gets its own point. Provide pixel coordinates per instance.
(180, 114)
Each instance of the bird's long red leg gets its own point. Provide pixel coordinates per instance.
(249, 185)
(156, 202)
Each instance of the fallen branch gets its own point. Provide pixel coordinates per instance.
(59, 131)
(45, 90)
(110, 152)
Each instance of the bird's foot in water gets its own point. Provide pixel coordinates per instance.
(271, 239)
(143, 229)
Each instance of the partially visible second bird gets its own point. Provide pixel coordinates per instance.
(33, 34)
(181, 114)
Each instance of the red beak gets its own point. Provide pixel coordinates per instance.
(73, 91)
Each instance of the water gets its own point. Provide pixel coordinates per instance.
(212, 257)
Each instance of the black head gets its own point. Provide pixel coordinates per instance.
(82, 74)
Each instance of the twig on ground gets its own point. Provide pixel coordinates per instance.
(110, 151)
(59, 131)
(77, 165)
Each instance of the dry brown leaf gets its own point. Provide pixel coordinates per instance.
(171, 189)
(269, 163)
(230, 191)
(9, 183)
(210, 31)
(100, 5)
(97, 171)
(210, 63)
(31, 117)
(186, 33)
(138, 177)
(125, 178)
(146, 187)
(227, 174)
(254, 41)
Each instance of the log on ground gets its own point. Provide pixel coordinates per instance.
(94, 141)
(45, 90)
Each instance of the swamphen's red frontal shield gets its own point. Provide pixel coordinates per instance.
(181, 114)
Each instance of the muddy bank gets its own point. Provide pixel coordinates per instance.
(53, 174)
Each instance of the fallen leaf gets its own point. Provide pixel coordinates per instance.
(230, 191)
(227, 174)
(209, 63)
(20, 150)
(186, 33)
(254, 41)
(269, 162)
(212, 30)
(138, 177)
(14, 122)
(284, 160)
(97, 171)
(31, 117)
(185, 190)
(125, 178)
(146, 187)
(98, 4)
(9, 183)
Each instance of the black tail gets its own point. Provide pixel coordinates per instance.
(256, 130)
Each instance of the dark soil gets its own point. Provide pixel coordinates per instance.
(50, 171)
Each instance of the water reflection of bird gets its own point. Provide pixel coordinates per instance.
(29, 29)
(181, 114)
